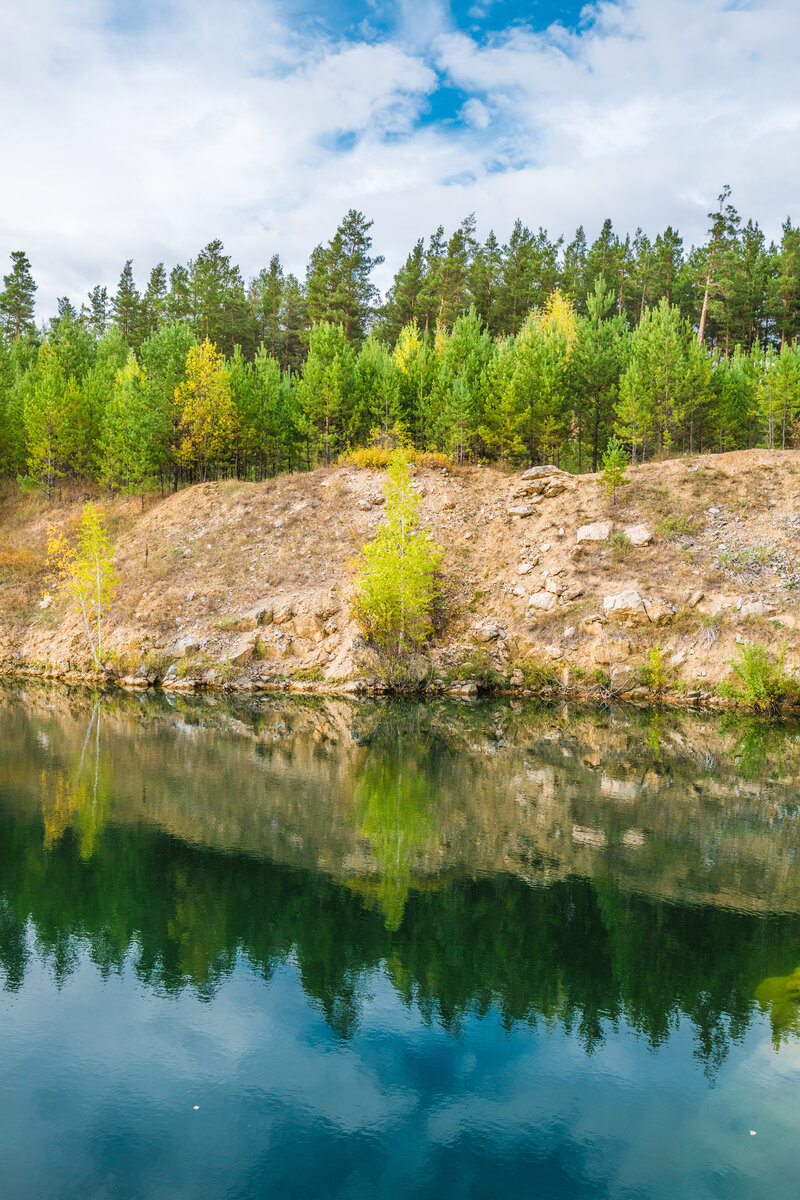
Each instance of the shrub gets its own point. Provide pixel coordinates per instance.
(380, 458)
(654, 672)
(762, 682)
(397, 584)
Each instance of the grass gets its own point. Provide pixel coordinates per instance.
(745, 560)
(674, 529)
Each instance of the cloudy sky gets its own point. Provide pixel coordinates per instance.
(145, 128)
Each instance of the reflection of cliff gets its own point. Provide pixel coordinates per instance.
(392, 797)
(442, 846)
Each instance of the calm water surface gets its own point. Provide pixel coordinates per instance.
(332, 949)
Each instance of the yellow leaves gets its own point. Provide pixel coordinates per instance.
(439, 341)
(209, 421)
(85, 569)
(779, 997)
(556, 322)
(408, 348)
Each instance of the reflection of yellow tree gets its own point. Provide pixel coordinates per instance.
(199, 931)
(393, 802)
(78, 799)
(780, 998)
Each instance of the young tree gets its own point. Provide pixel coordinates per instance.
(396, 585)
(85, 568)
(597, 359)
(209, 422)
(615, 465)
(129, 441)
(163, 357)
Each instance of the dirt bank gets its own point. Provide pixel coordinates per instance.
(248, 585)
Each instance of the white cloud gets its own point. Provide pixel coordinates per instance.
(198, 125)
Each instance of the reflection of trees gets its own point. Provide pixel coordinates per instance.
(78, 798)
(574, 953)
(780, 998)
(393, 795)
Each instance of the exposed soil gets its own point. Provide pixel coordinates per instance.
(249, 584)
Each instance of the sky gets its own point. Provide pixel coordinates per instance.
(143, 129)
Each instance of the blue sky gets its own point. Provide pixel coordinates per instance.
(146, 129)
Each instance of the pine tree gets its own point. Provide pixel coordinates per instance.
(265, 296)
(326, 391)
(154, 301)
(339, 287)
(96, 313)
(126, 305)
(403, 298)
(163, 357)
(17, 300)
(594, 368)
(129, 443)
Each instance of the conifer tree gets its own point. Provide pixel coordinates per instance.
(17, 299)
(326, 390)
(126, 305)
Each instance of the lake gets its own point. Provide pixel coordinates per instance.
(329, 948)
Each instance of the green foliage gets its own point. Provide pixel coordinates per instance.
(655, 674)
(674, 529)
(615, 465)
(397, 582)
(761, 681)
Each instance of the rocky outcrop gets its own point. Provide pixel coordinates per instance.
(598, 531)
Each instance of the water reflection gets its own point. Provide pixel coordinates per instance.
(557, 867)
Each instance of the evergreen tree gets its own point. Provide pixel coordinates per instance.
(326, 391)
(595, 365)
(17, 300)
(126, 305)
(154, 301)
(265, 296)
(96, 313)
(339, 287)
(653, 389)
(402, 300)
(163, 358)
(129, 442)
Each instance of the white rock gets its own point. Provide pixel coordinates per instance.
(598, 531)
(522, 510)
(624, 604)
(755, 608)
(545, 601)
(638, 535)
(542, 472)
(525, 568)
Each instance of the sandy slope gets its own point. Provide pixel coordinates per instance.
(257, 577)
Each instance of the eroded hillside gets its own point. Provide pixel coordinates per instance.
(249, 584)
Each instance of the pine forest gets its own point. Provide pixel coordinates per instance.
(538, 349)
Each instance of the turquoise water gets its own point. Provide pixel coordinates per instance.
(341, 950)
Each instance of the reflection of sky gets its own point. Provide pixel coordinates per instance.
(99, 1081)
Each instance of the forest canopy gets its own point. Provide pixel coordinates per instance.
(535, 348)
